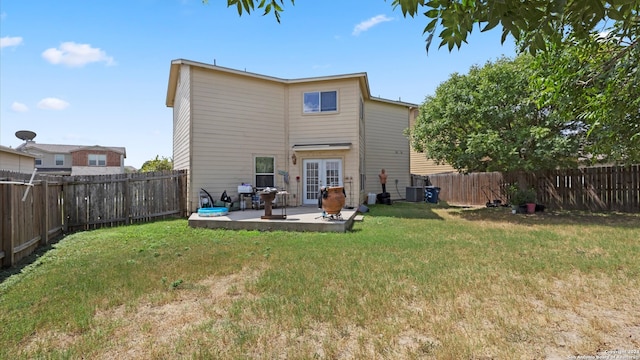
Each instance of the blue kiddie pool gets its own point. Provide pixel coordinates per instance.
(213, 211)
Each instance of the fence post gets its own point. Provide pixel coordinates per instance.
(127, 201)
(184, 190)
(6, 241)
(44, 236)
(66, 208)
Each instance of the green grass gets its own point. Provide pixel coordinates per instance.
(411, 281)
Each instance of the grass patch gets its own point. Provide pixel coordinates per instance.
(413, 280)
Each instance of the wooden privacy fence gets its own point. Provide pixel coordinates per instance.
(606, 188)
(26, 225)
(465, 189)
(56, 205)
(110, 200)
(610, 188)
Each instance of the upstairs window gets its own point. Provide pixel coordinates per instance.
(320, 101)
(97, 160)
(59, 159)
(265, 171)
(38, 162)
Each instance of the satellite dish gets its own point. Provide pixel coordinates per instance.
(25, 135)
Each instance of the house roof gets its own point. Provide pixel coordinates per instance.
(14, 151)
(175, 71)
(67, 149)
(398, 102)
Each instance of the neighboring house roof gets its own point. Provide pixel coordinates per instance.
(14, 151)
(399, 102)
(119, 150)
(175, 70)
(66, 149)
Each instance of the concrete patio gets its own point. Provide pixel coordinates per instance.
(302, 218)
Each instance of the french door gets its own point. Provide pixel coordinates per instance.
(318, 173)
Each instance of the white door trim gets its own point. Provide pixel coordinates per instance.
(317, 173)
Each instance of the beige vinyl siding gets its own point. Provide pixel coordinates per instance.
(49, 159)
(181, 120)
(387, 147)
(12, 161)
(234, 119)
(362, 149)
(225, 118)
(327, 128)
(420, 164)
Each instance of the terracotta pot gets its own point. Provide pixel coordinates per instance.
(531, 208)
(334, 200)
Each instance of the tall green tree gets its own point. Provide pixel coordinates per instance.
(488, 120)
(589, 65)
(597, 81)
(535, 23)
(157, 164)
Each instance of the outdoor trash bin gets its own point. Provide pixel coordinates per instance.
(431, 194)
(384, 198)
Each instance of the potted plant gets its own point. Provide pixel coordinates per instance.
(520, 197)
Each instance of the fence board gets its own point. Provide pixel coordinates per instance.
(635, 184)
(606, 188)
(65, 204)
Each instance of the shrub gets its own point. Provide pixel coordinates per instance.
(519, 196)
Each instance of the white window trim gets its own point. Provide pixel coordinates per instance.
(256, 174)
(320, 103)
(55, 159)
(97, 158)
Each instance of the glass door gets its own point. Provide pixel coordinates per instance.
(318, 173)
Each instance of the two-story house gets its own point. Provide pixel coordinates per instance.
(57, 159)
(232, 127)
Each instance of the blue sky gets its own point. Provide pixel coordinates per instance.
(95, 72)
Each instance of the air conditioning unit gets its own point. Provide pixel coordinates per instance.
(415, 193)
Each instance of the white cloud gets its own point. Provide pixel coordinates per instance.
(368, 24)
(19, 107)
(52, 104)
(10, 41)
(76, 55)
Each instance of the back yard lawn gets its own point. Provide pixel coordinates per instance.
(413, 280)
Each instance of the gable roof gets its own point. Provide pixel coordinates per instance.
(175, 71)
(119, 150)
(14, 151)
(67, 149)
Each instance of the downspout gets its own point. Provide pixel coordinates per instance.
(287, 148)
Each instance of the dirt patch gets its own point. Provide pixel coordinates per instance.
(156, 323)
(151, 325)
(549, 217)
(582, 320)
